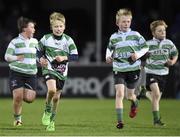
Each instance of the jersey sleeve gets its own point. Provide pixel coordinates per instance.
(173, 51)
(10, 52)
(73, 52)
(72, 47)
(143, 47)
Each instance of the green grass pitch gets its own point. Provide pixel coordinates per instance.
(91, 117)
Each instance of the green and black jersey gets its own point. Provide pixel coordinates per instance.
(53, 47)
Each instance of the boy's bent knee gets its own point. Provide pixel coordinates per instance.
(29, 96)
(52, 91)
(18, 98)
(55, 99)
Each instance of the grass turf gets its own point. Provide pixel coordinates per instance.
(91, 117)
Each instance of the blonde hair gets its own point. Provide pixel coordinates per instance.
(123, 12)
(157, 23)
(56, 16)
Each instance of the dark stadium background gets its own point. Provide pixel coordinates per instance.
(90, 23)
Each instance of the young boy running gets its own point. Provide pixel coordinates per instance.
(124, 51)
(163, 54)
(21, 55)
(57, 49)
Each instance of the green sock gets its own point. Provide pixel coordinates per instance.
(119, 112)
(48, 107)
(17, 117)
(156, 115)
(52, 118)
(134, 103)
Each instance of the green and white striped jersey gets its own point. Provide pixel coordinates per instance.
(26, 47)
(121, 46)
(52, 48)
(160, 52)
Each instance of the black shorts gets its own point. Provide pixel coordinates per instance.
(161, 80)
(18, 80)
(59, 83)
(130, 79)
